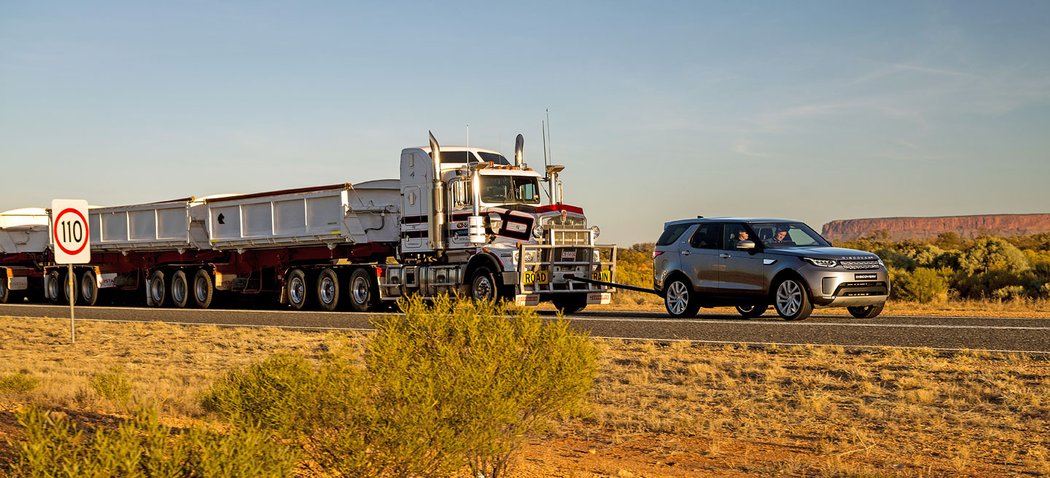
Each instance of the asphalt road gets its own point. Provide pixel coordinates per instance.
(951, 333)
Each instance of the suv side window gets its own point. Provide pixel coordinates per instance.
(734, 233)
(707, 236)
(671, 234)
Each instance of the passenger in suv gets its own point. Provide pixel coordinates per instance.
(755, 263)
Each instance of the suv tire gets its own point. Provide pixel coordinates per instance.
(680, 299)
(791, 300)
(866, 311)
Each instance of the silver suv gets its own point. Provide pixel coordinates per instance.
(755, 263)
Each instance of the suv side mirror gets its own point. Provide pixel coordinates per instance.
(745, 245)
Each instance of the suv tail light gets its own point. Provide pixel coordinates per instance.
(656, 253)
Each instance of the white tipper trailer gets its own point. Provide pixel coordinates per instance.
(460, 220)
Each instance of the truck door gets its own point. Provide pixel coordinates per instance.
(700, 259)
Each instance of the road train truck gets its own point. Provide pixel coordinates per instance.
(460, 221)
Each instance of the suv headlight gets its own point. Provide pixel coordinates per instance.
(820, 262)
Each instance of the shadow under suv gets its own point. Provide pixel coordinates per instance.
(757, 263)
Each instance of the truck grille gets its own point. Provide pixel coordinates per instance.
(859, 265)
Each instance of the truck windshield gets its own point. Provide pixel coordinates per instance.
(510, 190)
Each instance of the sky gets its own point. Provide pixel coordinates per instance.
(659, 110)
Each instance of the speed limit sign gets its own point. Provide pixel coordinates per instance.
(69, 231)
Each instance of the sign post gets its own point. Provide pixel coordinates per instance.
(71, 240)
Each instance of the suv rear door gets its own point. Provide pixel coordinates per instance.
(700, 256)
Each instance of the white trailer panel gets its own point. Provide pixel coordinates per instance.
(148, 227)
(24, 231)
(325, 215)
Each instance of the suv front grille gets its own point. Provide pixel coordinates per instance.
(859, 265)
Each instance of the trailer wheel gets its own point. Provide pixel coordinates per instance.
(53, 292)
(180, 289)
(203, 289)
(328, 289)
(362, 290)
(156, 291)
(88, 288)
(483, 287)
(296, 285)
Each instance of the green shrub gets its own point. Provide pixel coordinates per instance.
(18, 383)
(444, 387)
(921, 285)
(112, 385)
(142, 447)
(993, 254)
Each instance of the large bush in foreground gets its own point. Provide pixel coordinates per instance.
(445, 387)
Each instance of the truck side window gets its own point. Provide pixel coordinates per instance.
(707, 236)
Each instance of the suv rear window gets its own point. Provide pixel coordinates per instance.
(671, 234)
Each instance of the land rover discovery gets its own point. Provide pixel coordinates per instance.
(753, 264)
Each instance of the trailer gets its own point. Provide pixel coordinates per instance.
(24, 251)
(459, 220)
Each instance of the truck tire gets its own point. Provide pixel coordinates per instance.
(295, 283)
(328, 290)
(866, 312)
(88, 288)
(53, 291)
(680, 299)
(5, 292)
(570, 303)
(203, 289)
(751, 311)
(66, 299)
(791, 300)
(156, 289)
(483, 286)
(180, 289)
(363, 291)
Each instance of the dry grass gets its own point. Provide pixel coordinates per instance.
(658, 409)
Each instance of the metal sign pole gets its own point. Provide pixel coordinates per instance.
(72, 323)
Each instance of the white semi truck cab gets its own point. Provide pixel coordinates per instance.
(474, 223)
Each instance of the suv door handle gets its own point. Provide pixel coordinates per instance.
(685, 253)
(724, 256)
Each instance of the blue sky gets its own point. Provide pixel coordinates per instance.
(660, 110)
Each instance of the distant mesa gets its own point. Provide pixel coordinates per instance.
(967, 227)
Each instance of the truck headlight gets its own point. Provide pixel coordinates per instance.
(597, 256)
(530, 257)
(828, 263)
(537, 231)
(597, 232)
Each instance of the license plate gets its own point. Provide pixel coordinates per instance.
(864, 276)
(603, 276)
(568, 255)
(537, 277)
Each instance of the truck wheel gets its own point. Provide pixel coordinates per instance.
(483, 287)
(751, 311)
(5, 292)
(88, 288)
(203, 289)
(680, 300)
(570, 304)
(53, 292)
(362, 291)
(328, 290)
(296, 285)
(180, 289)
(792, 301)
(156, 290)
(866, 311)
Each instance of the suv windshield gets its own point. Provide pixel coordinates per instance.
(778, 235)
(510, 190)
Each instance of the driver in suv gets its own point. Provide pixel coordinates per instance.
(753, 264)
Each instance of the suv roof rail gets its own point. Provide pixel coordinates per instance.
(699, 217)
